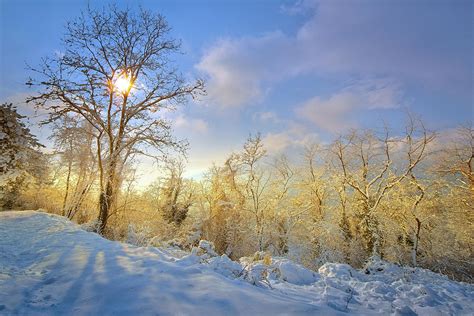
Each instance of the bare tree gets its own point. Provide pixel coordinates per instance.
(74, 144)
(222, 208)
(367, 167)
(177, 196)
(256, 184)
(285, 216)
(457, 158)
(115, 71)
(314, 181)
(414, 212)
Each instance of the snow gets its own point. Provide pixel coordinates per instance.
(49, 265)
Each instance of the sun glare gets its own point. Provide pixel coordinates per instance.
(123, 84)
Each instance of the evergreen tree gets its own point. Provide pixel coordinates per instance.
(18, 152)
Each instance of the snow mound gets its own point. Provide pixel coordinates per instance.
(386, 287)
(223, 265)
(294, 273)
(337, 270)
(262, 268)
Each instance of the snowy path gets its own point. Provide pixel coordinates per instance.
(49, 266)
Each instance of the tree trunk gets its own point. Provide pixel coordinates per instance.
(107, 197)
(73, 210)
(259, 229)
(68, 179)
(374, 235)
(73, 205)
(105, 202)
(416, 239)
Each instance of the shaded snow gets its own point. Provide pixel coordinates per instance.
(49, 265)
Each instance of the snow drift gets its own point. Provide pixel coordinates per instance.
(49, 265)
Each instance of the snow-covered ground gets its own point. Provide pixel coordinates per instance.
(49, 265)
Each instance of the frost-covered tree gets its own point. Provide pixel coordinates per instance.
(116, 72)
(256, 181)
(457, 158)
(74, 144)
(367, 164)
(19, 154)
(177, 193)
(283, 215)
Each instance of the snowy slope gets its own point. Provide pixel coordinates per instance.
(48, 265)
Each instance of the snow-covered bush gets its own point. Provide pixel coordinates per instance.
(225, 266)
(337, 270)
(138, 235)
(262, 269)
(91, 226)
(193, 237)
(254, 270)
(294, 273)
(204, 250)
(172, 243)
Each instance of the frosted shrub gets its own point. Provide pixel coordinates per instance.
(172, 243)
(204, 250)
(262, 269)
(193, 237)
(258, 270)
(138, 236)
(329, 255)
(225, 266)
(91, 226)
(337, 270)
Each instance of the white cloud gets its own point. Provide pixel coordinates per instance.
(277, 142)
(335, 113)
(237, 68)
(331, 114)
(346, 38)
(195, 125)
(295, 135)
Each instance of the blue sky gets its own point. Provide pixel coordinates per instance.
(295, 71)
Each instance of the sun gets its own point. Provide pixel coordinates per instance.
(123, 84)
